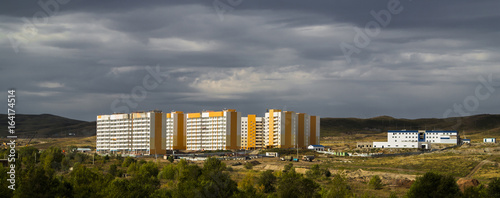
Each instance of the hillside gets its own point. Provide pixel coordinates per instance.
(47, 126)
(55, 126)
(348, 126)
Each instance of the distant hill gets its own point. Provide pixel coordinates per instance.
(47, 125)
(56, 126)
(471, 124)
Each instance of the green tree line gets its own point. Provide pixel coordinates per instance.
(58, 173)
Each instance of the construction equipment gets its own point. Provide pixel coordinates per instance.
(27, 144)
(308, 158)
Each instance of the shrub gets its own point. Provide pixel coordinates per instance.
(288, 167)
(267, 180)
(434, 185)
(375, 182)
(248, 165)
(170, 159)
(494, 188)
(338, 187)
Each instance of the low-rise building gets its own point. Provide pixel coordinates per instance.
(417, 139)
(489, 140)
(316, 147)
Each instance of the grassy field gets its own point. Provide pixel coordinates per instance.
(458, 162)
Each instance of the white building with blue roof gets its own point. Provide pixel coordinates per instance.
(417, 139)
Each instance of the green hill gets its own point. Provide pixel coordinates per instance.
(47, 125)
(471, 124)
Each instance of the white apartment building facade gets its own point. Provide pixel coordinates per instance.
(134, 133)
(417, 139)
(213, 130)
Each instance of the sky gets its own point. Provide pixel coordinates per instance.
(348, 58)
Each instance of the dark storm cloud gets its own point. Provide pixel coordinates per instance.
(255, 55)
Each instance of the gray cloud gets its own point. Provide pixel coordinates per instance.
(263, 54)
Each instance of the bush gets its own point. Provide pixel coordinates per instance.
(129, 160)
(292, 184)
(248, 165)
(167, 172)
(494, 188)
(170, 159)
(313, 172)
(434, 185)
(267, 180)
(288, 167)
(338, 187)
(375, 182)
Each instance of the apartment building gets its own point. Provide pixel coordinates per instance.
(280, 129)
(252, 133)
(139, 133)
(175, 130)
(154, 132)
(314, 130)
(213, 130)
(304, 130)
(417, 139)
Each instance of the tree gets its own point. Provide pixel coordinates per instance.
(494, 188)
(28, 155)
(375, 182)
(113, 170)
(292, 184)
(37, 183)
(127, 161)
(170, 158)
(313, 172)
(51, 158)
(248, 165)
(246, 186)
(167, 172)
(338, 187)
(4, 190)
(214, 182)
(434, 185)
(148, 170)
(87, 182)
(476, 192)
(267, 180)
(288, 167)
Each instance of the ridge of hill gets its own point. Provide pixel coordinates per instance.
(470, 124)
(47, 125)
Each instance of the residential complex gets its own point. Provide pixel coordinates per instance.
(213, 130)
(134, 133)
(417, 139)
(155, 132)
